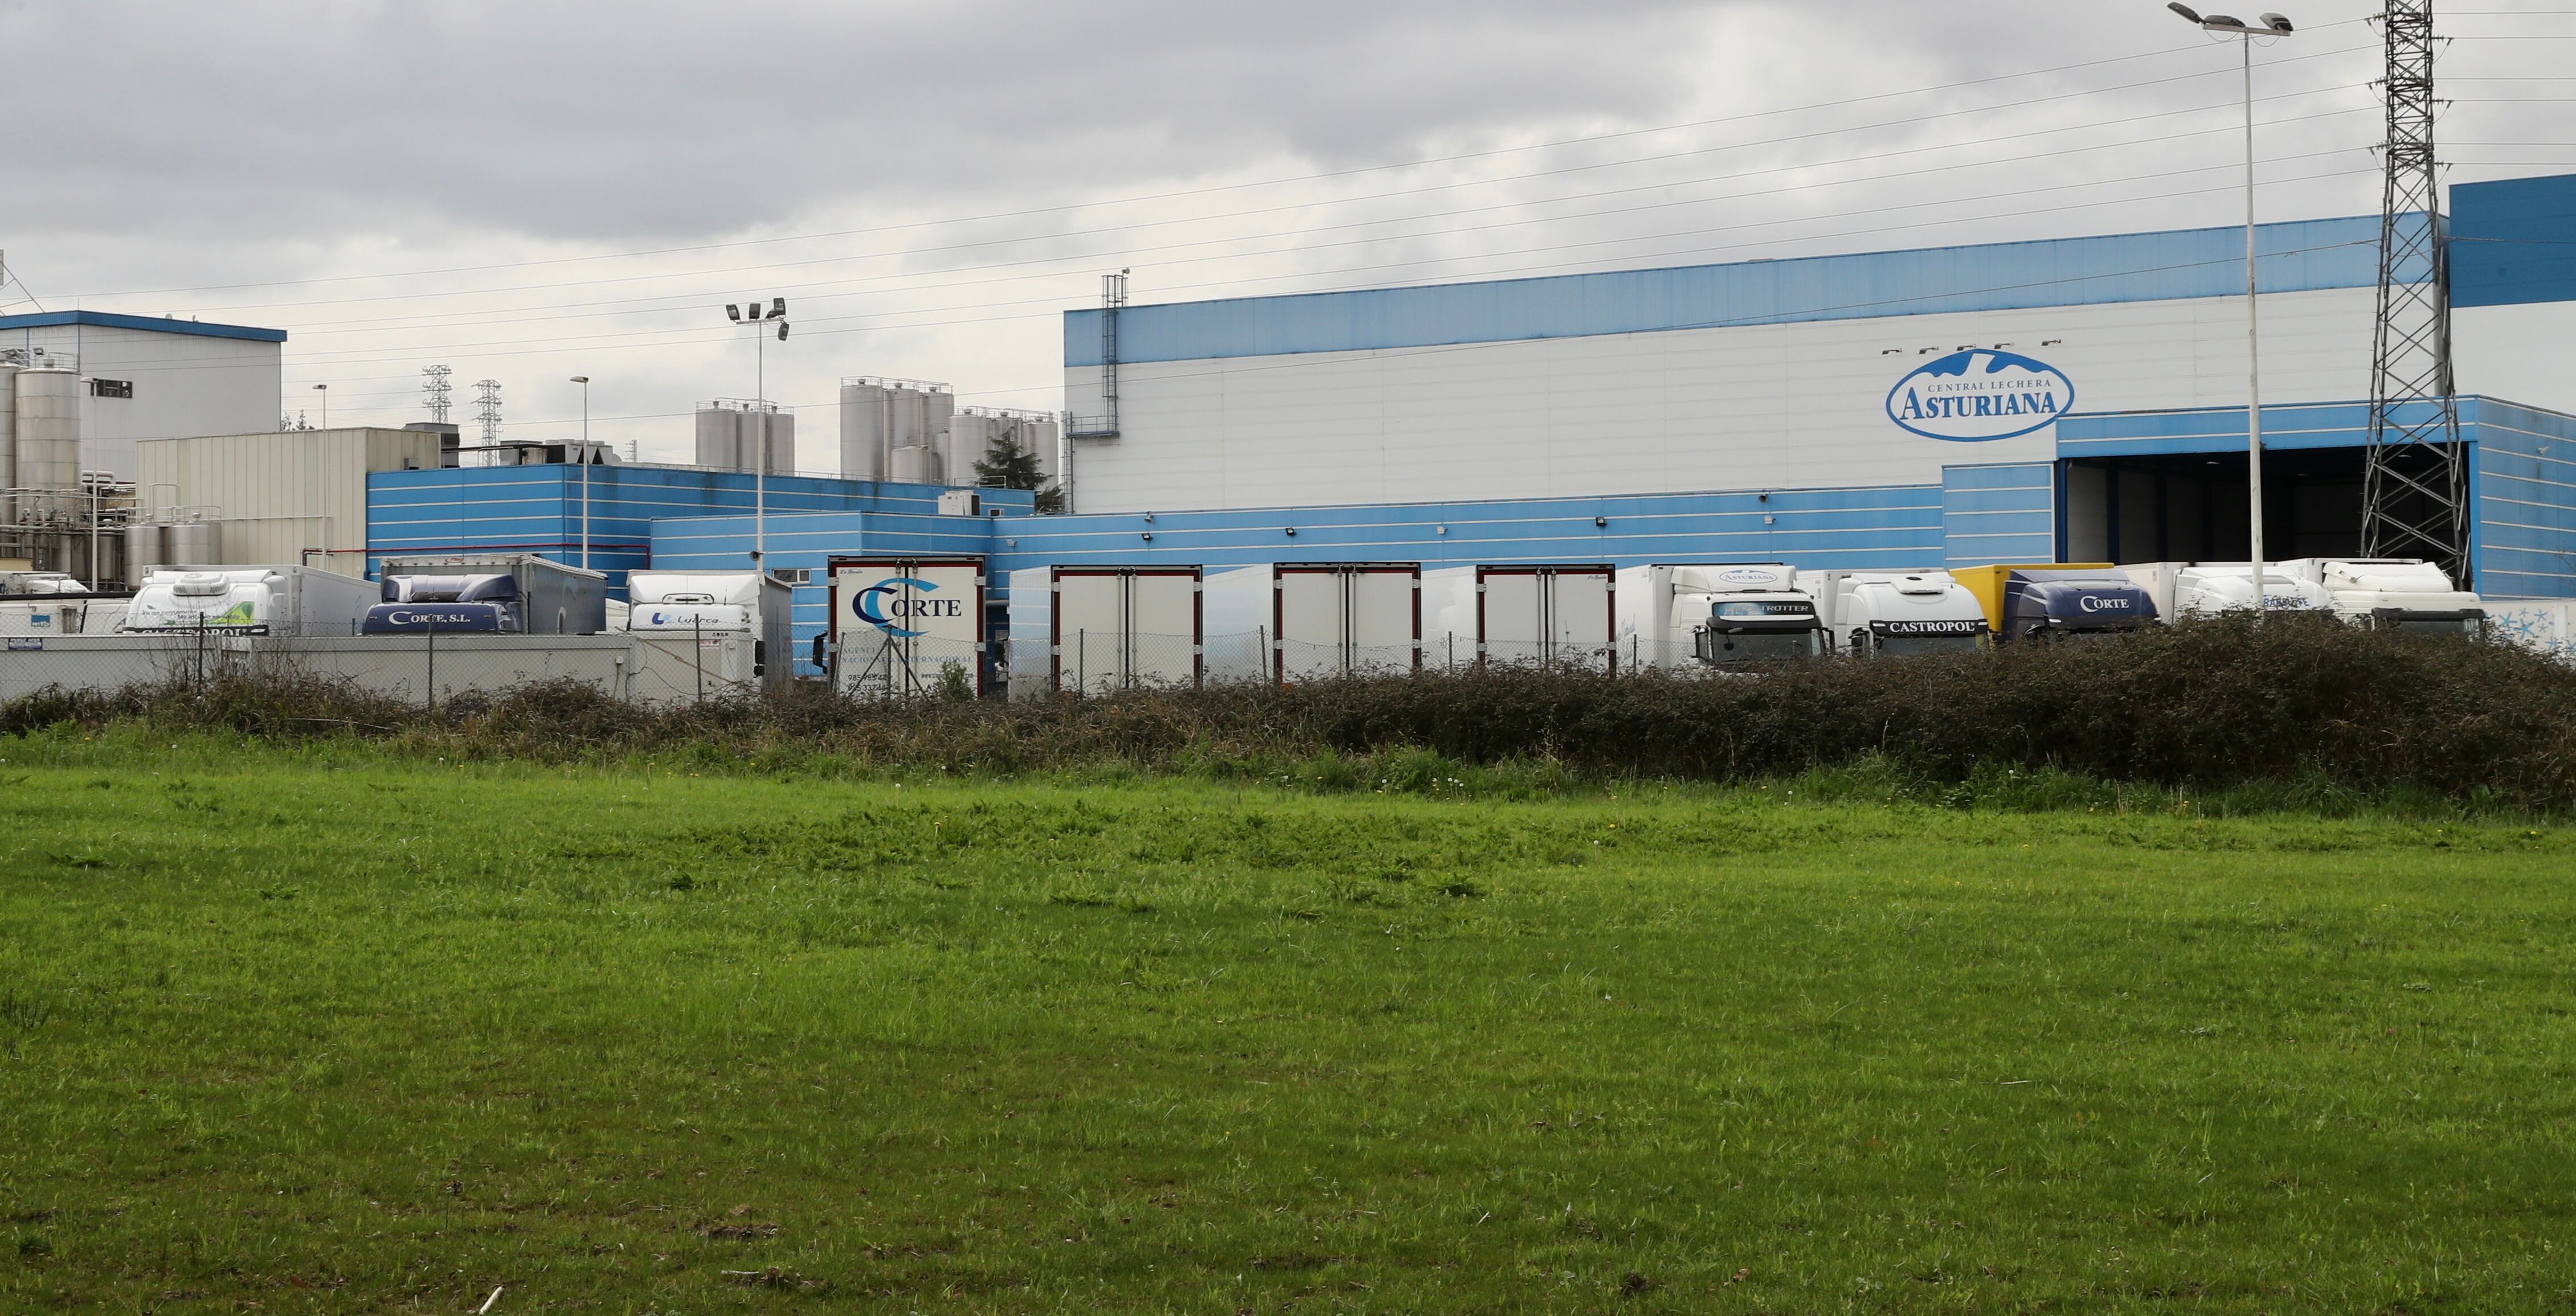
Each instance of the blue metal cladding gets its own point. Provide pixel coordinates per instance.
(2134, 267)
(2212, 429)
(2001, 513)
(2512, 242)
(537, 509)
(2523, 469)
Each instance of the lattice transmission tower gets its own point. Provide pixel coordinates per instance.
(434, 391)
(487, 409)
(2414, 490)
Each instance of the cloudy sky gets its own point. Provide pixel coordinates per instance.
(530, 190)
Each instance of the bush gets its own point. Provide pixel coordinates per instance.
(2311, 710)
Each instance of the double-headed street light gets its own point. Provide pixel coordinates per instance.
(749, 313)
(2269, 25)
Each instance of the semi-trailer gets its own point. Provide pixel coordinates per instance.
(1098, 629)
(493, 593)
(1713, 616)
(720, 606)
(906, 627)
(1894, 614)
(2400, 594)
(2200, 589)
(280, 600)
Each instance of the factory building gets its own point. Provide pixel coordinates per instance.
(141, 378)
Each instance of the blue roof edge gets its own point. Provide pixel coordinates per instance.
(149, 323)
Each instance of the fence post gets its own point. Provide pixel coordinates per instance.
(1082, 659)
(431, 645)
(698, 654)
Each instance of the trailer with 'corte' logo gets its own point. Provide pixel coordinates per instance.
(905, 627)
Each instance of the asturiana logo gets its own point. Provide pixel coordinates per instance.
(1980, 395)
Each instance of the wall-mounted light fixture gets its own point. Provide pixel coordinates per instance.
(1292, 532)
(1148, 536)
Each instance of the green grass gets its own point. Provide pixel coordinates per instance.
(333, 1032)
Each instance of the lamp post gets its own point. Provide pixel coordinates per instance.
(584, 381)
(2269, 25)
(325, 391)
(749, 313)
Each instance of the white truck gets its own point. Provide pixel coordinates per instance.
(1096, 629)
(1895, 614)
(285, 600)
(2201, 589)
(1520, 615)
(740, 619)
(1714, 616)
(2401, 594)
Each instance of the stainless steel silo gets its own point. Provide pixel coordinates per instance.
(916, 465)
(48, 415)
(719, 430)
(969, 439)
(194, 543)
(863, 432)
(147, 545)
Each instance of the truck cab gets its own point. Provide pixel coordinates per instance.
(449, 605)
(2394, 594)
(2201, 589)
(1895, 614)
(2072, 604)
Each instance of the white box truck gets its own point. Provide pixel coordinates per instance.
(2201, 589)
(744, 616)
(1335, 619)
(1547, 616)
(2388, 593)
(286, 600)
(906, 627)
(1235, 604)
(1710, 616)
(1098, 629)
(1895, 614)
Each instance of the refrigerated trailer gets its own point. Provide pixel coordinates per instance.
(2199, 589)
(1097, 629)
(1709, 616)
(1895, 614)
(280, 600)
(719, 606)
(1334, 619)
(505, 593)
(1518, 614)
(900, 626)
(2393, 594)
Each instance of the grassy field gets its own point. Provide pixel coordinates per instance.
(291, 1033)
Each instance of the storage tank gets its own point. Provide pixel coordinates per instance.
(969, 439)
(48, 438)
(781, 449)
(717, 448)
(147, 545)
(915, 466)
(863, 432)
(906, 418)
(194, 543)
(8, 433)
(1041, 437)
(938, 407)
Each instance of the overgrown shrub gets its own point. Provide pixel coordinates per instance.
(2308, 708)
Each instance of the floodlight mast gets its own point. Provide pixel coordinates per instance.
(2272, 25)
(749, 313)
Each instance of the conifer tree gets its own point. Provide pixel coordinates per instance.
(1007, 465)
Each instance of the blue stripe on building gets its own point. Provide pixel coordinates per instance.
(2307, 255)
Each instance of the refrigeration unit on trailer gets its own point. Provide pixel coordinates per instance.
(1702, 616)
(283, 600)
(490, 593)
(1895, 614)
(1331, 619)
(2071, 603)
(903, 627)
(753, 607)
(2393, 594)
(1097, 629)
(2201, 589)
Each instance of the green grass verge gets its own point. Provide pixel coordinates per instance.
(330, 1031)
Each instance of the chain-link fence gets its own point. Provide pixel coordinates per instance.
(430, 669)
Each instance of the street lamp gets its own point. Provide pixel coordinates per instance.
(749, 313)
(2269, 25)
(325, 391)
(584, 381)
